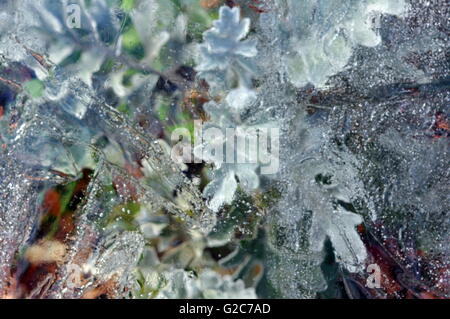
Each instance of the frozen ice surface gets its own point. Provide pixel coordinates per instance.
(359, 89)
(379, 110)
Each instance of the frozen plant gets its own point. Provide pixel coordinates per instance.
(222, 52)
(323, 148)
(225, 55)
(324, 34)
